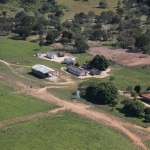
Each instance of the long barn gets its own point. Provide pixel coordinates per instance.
(42, 71)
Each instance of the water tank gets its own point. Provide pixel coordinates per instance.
(77, 94)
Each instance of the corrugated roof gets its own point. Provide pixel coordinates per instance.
(146, 95)
(42, 68)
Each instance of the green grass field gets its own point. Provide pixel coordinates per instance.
(23, 52)
(62, 131)
(16, 104)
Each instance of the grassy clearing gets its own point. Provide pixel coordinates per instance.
(74, 7)
(16, 104)
(126, 76)
(64, 130)
(23, 52)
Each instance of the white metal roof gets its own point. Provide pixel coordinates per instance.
(42, 68)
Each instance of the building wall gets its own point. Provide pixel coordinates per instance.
(82, 73)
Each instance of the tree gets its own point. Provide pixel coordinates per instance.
(50, 37)
(137, 88)
(64, 41)
(133, 108)
(100, 62)
(147, 114)
(103, 4)
(142, 41)
(81, 46)
(99, 34)
(24, 31)
(41, 43)
(102, 93)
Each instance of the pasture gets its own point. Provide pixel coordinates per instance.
(14, 104)
(74, 7)
(64, 130)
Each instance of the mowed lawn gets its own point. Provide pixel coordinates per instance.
(62, 131)
(16, 104)
(75, 7)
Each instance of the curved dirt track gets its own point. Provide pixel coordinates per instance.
(83, 109)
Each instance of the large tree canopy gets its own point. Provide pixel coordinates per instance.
(100, 62)
(101, 93)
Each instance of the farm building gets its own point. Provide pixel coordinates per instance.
(51, 55)
(146, 97)
(77, 71)
(86, 66)
(42, 71)
(95, 71)
(60, 54)
(69, 60)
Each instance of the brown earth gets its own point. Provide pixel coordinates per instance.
(121, 56)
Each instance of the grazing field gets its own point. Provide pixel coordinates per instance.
(14, 104)
(74, 7)
(23, 52)
(64, 130)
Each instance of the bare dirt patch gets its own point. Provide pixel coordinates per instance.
(121, 56)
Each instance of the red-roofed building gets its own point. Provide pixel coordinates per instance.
(146, 97)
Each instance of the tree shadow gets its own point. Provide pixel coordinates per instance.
(36, 50)
(17, 38)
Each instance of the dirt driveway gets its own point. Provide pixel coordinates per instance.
(121, 56)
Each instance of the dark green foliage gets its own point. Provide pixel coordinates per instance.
(77, 64)
(133, 108)
(4, 1)
(101, 93)
(137, 88)
(103, 4)
(142, 41)
(50, 37)
(100, 62)
(114, 103)
(81, 46)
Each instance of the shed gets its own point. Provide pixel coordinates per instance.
(51, 55)
(146, 97)
(95, 71)
(60, 54)
(69, 60)
(76, 71)
(41, 70)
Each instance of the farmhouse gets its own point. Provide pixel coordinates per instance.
(77, 71)
(95, 71)
(146, 97)
(42, 71)
(69, 60)
(51, 55)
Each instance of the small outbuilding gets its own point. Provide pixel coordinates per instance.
(60, 54)
(95, 71)
(42, 71)
(69, 60)
(76, 71)
(51, 55)
(146, 97)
